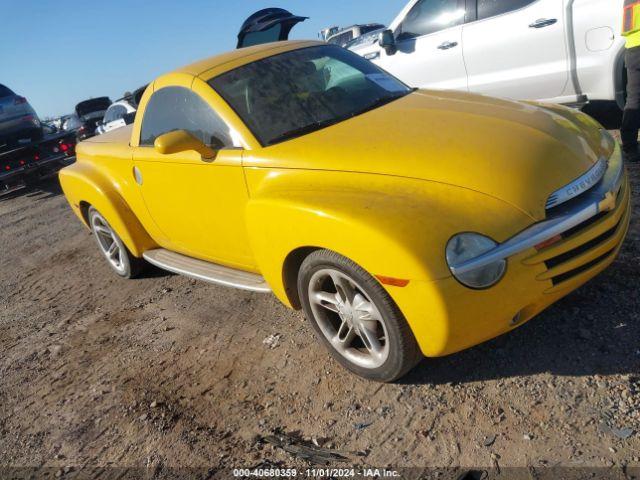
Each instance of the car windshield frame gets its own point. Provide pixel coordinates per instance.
(381, 81)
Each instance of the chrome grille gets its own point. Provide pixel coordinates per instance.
(582, 251)
(582, 268)
(585, 247)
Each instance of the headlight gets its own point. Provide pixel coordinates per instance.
(465, 246)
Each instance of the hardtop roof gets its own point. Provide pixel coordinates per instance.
(235, 58)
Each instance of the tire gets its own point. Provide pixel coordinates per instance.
(118, 256)
(355, 318)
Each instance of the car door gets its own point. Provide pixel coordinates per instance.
(429, 46)
(197, 205)
(517, 49)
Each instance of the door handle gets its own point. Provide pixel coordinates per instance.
(137, 174)
(372, 56)
(447, 45)
(543, 22)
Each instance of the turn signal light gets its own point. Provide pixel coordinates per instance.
(548, 243)
(394, 282)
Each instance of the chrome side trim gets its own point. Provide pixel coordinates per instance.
(579, 185)
(599, 199)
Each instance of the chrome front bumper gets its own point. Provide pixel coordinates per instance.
(601, 198)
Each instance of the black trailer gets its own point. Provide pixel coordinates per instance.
(33, 162)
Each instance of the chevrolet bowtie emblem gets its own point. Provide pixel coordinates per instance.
(608, 203)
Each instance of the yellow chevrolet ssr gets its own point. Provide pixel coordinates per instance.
(405, 223)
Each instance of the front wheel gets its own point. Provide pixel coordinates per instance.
(120, 259)
(356, 318)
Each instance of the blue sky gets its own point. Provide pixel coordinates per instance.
(57, 53)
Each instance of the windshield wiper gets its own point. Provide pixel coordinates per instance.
(297, 132)
(379, 102)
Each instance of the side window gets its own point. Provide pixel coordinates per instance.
(257, 38)
(178, 108)
(114, 113)
(369, 28)
(430, 16)
(118, 112)
(342, 39)
(346, 37)
(108, 117)
(491, 8)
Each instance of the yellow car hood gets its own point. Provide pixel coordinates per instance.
(515, 151)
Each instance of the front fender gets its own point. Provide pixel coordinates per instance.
(83, 184)
(392, 227)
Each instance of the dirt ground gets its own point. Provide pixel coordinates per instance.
(168, 373)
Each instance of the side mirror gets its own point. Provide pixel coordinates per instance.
(182, 141)
(387, 41)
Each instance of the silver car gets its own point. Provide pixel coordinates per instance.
(18, 120)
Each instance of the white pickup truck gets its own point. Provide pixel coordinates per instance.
(560, 51)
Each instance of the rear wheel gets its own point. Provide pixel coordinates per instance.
(118, 256)
(356, 318)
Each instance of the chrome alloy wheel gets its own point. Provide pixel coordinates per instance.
(348, 318)
(110, 245)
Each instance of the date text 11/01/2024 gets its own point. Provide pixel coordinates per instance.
(316, 473)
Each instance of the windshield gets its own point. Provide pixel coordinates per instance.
(298, 92)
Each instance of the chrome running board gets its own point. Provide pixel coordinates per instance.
(205, 271)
